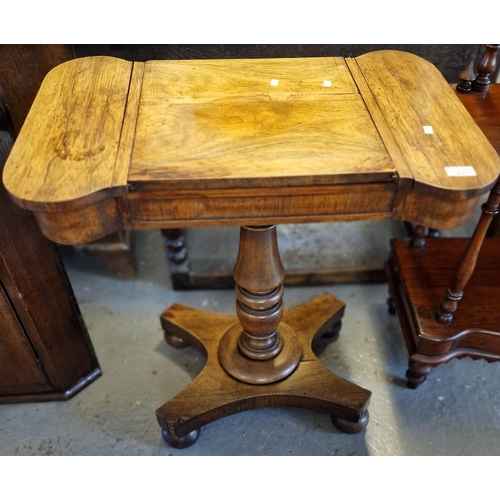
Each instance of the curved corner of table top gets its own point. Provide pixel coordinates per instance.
(436, 145)
(74, 147)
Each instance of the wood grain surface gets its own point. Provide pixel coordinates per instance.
(20, 371)
(45, 349)
(214, 394)
(69, 143)
(418, 280)
(234, 206)
(223, 124)
(485, 110)
(22, 70)
(217, 142)
(411, 93)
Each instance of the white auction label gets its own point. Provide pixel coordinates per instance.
(274, 82)
(428, 129)
(465, 171)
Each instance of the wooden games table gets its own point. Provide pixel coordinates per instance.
(110, 144)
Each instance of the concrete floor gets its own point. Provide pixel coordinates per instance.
(455, 412)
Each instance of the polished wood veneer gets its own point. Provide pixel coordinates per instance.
(419, 279)
(140, 132)
(168, 144)
(45, 350)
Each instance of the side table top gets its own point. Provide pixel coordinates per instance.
(112, 144)
(100, 124)
(72, 148)
(254, 123)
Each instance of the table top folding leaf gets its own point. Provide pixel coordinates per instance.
(110, 144)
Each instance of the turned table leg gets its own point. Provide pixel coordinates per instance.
(261, 357)
(485, 67)
(467, 264)
(177, 253)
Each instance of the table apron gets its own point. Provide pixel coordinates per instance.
(240, 207)
(149, 209)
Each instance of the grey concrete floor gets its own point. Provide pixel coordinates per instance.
(455, 412)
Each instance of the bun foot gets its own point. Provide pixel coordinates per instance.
(412, 383)
(183, 442)
(334, 332)
(416, 374)
(350, 427)
(175, 341)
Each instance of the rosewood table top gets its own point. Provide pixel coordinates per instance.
(110, 144)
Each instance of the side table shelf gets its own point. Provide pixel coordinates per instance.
(418, 280)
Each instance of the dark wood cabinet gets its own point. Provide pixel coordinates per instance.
(45, 349)
(21, 370)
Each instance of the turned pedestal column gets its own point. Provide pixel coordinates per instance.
(260, 349)
(262, 356)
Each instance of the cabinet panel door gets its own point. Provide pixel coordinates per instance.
(19, 369)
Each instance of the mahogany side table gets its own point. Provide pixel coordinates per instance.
(111, 145)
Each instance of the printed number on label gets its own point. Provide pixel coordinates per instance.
(465, 171)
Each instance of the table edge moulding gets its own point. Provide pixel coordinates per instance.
(110, 144)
